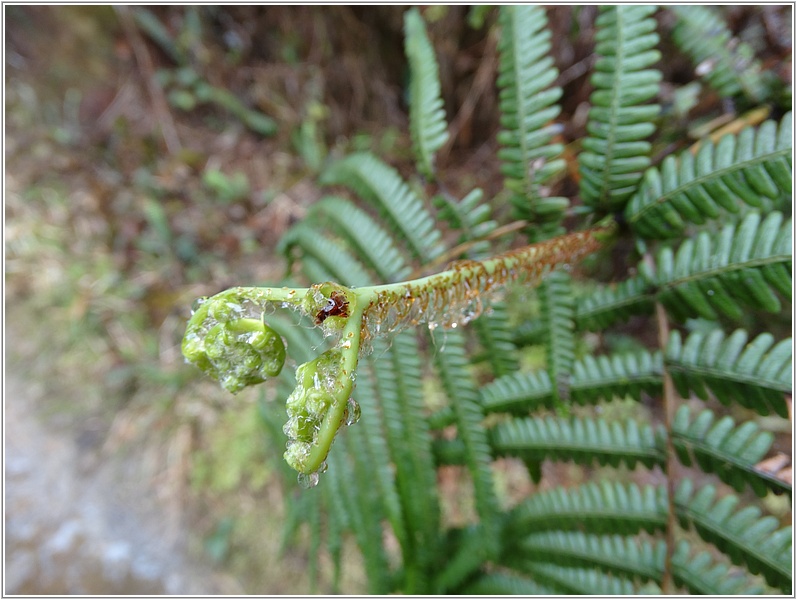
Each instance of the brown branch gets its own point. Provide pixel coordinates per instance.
(670, 395)
(159, 105)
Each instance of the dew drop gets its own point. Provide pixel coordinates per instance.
(308, 480)
(711, 292)
(352, 412)
(197, 304)
(322, 468)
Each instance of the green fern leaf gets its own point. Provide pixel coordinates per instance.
(518, 393)
(616, 152)
(594, 379)
(728, 451)
(745, 168)
(557, 307)
(464, 554)
(624, 556)
(494, 334)
(616, 376)
(743, 535)
(375, 448)
(452, 367)
(363, 512)
(507, 584)
(743, 266)
(604, 306)
(605, 507)
(334, 258)
(471, 216)
(398, 386)
(576, 580)
(757, 375)
(701, 574)
(581, 440)
(382, 186)
(427, 116)
(372, 244)
(528, 105)
(728, 68)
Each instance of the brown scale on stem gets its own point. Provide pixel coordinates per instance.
(337, 306)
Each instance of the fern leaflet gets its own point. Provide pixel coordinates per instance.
(728, 451)
(525, 76)
(603, 507)
(557, 306)
(701, 574)
(580, 440)
(741, 266)
(427, 116)
(743, 535)
(602, 307)
(381, 185)
(729, 68)
(458, 383)
(594, 379)
(367, 237)
(624, 556)
(757, 375)
(507, 584)
(748, 167)
(616, 152)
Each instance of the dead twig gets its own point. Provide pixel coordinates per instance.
(159, 104)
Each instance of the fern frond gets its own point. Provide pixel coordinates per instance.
(375, 447)
(452, 367)
(616, 376)
(464, 554)
(756, 375)
(382, 186)
(605, 507)
(728, 451)
(580, 440)
(363, 512)
(495, 338)
(624, 556)
(398, 385)
(530, 332)
(743, 535)
(608, 304)
(594, 379)
(365, 235)
(526, 74)
(576, 580)
(427, 115)
(337, 520)
(729, 68)
(518, 393)
(507, 584)
(701, 574)
(331, 256)
(616, 152)
(739, 267)
(470, 216)
(745, 168)
(557, 308)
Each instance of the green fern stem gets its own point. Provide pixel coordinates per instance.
(228, 338)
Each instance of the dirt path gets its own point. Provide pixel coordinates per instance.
(72, 530)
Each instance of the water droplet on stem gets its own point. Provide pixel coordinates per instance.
(352, 412)
(308, 480)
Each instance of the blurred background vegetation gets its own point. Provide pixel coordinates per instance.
(154, 155)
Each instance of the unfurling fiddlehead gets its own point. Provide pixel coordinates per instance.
(229, 339)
